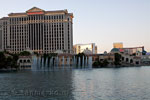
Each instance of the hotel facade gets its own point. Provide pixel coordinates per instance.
(37, 30)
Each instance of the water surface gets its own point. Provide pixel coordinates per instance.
(77, 84)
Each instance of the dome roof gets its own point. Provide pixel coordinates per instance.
(115, 50)
(105, 52)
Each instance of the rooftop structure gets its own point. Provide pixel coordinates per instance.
(118, 45)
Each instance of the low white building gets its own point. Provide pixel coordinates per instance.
(24, 61)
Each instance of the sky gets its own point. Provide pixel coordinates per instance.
(102, 22)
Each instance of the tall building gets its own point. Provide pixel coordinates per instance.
(90, 48)
(37, 30)
(118, 45)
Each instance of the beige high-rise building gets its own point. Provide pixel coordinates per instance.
(118, 45)
(37, 30)
(90, 48)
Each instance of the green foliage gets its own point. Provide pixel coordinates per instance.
(14, 65)
(36, 53)
(144, 52)
(15, 57)
(105, 63)
(80, 55)
(98, 64)
(2, 60)
(8, 62)
(50, 55)
(2, 56)
(25, 53)
(134, 54)
(117, 59)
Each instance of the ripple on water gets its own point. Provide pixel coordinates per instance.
(95, 84)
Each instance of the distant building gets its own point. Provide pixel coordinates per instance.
(118, 45)
(130, 51)
(133, 50)
(101, 57)
(129, 60)
(38, 30)
(90, 48)
(146, 59)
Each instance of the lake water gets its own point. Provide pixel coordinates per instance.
(77, 84)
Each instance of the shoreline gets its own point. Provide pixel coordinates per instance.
(15, 70)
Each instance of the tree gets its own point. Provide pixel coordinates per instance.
(2, 60)
(25, 53)
(9, 61)
(117, 59)
(105, 63)
(96, 64)
(15, 57)
(36, 53)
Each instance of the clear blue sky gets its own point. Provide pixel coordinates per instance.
(99, 21)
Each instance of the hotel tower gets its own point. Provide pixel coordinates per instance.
(37, 30)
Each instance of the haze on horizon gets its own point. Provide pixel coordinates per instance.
(98, 21)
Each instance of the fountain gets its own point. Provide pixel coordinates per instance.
(90, 62)
(79, 62)
(63, 62)
(74, 61)
(51, 61)
(46, 62)
(68, 61)
(38, 62)
(43, 63)
(34, 63)
(57, 61)
(49, 58)
(86, 62)
(83, 61)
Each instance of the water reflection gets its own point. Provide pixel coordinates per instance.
(37, 85)
(44, 82)
(112, 84)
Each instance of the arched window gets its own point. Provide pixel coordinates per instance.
(24, 61)
(123, 58)
(20, 61)
(137, 62)
(131, 61)
(127, 59)
(28, 61)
